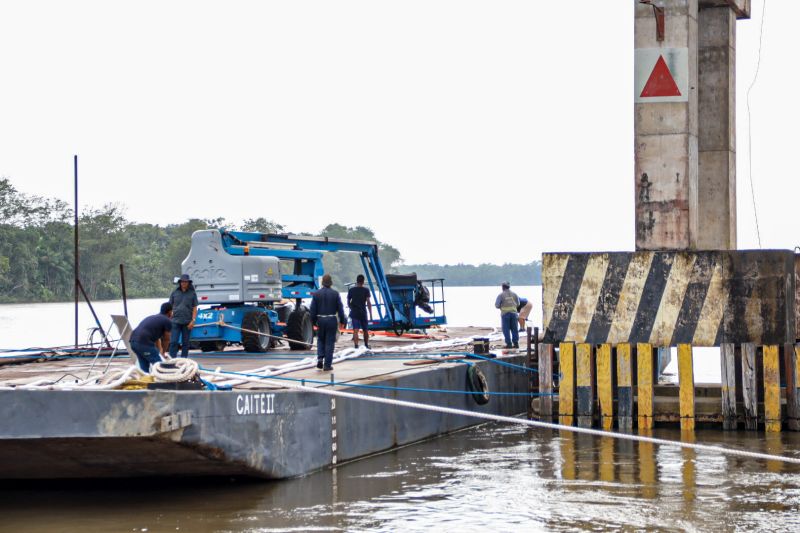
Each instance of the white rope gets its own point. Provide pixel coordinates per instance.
(185, 370)
(174, 370)
(107, 381)
(522, 421)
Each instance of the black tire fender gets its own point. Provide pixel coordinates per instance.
(477, 384)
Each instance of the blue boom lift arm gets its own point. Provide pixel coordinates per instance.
(395, 302)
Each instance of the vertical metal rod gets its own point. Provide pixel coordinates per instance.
(76, 259)
(529, 361)
(91, 308)
(124, 292)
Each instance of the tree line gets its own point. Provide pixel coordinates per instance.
(36, 252)
(480, 275)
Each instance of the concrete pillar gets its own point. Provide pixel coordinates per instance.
(665, 131)
(716, 129)
(685, 132)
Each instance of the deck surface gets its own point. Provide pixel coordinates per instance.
(373, 367)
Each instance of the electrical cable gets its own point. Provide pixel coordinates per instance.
(749, 120)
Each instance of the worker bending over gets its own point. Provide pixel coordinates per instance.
(524, 310)
(146, 338)
(326, 307)
(358, 300)
(507, 302)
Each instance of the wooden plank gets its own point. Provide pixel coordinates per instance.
(546, 382)
(791, 355)
(566, 385)
(686, 383)
(772, 389)
(644, 384)
(728, 376)
(584, 391)
(624, 387)
(749, 386)
(605, 390)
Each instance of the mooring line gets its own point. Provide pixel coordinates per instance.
(378, 387)
(523, 421)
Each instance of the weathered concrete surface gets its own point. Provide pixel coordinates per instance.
(716, 129)
(666, 139)
(685, 159)
(797, 295)
(740, 7)
(667, 298)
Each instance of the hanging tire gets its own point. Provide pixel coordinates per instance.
(212, 346)
(300, 328)
(252, 342)
(477, 384)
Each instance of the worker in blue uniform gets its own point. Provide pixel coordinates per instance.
(146, 339)
(184, 313)
(326, 308)
(358, 300)
(507, 302)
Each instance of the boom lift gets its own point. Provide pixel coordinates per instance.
(249, 281)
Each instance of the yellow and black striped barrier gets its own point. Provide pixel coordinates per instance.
(603, 385)
(702, 298)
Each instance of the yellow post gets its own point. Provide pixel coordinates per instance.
(605, 392)
(772, 389)
(566, 386)
(686, 382)
(584, 391)
(624, 387)
(644, 384)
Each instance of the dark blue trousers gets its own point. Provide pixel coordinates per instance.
(146, 353)
(179, 337)
(326, 339)
(510, 322)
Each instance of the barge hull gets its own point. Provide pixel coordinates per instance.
(265, 433)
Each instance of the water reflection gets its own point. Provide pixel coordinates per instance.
(494, 477)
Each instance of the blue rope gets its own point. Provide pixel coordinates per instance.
(504, 363)
(379, 387)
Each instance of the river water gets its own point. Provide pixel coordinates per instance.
(491, 477)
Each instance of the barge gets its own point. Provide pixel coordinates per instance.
(264, 428)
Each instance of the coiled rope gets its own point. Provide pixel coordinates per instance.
(174, 370)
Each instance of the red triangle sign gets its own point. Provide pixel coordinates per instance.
(660, 82)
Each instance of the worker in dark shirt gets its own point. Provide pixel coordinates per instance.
(326, 307)
(146, 338)
(358, 300)
(184, 313)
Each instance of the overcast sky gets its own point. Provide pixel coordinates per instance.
(460, 131)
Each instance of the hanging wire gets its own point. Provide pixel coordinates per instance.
(749, 121)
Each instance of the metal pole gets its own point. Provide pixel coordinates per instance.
(76, 259)
(124, 293)
(91, 308)
(529, 360)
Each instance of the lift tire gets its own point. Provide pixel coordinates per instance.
(255, 321)
(300, 328)
(212, 346)
(476, 382)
